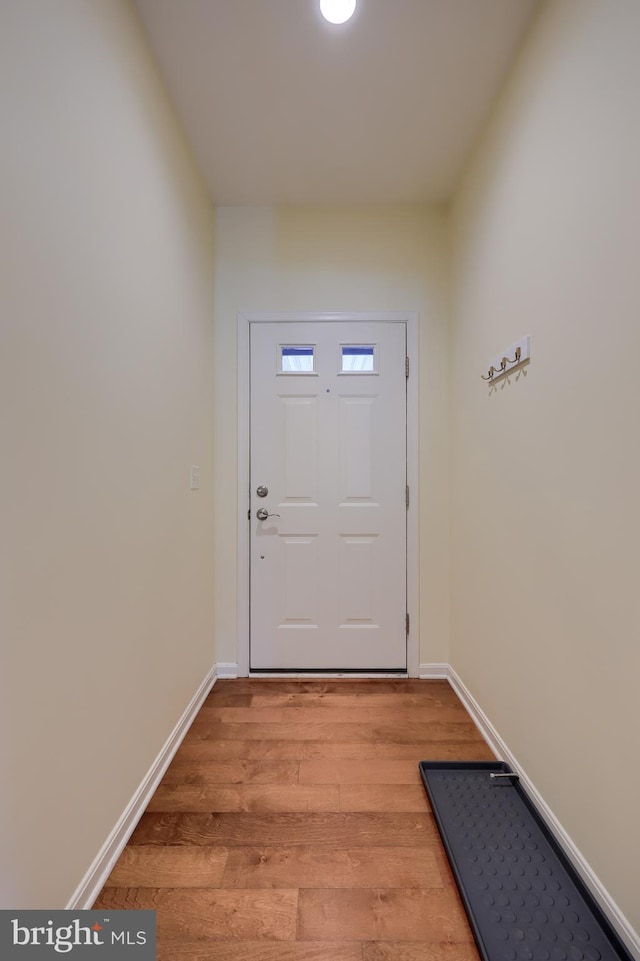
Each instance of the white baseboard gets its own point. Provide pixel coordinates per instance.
(627, 934)
(93, 881)
(433, 671)
(226, 669)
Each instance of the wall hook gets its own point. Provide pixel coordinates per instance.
(514, 355)
(496, 370)
(516, 359)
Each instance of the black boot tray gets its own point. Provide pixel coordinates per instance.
(523, 898)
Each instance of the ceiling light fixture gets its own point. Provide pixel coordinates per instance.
(337, 11)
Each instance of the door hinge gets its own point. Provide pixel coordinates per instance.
(407, 624)
(249, 514)
(406, 496)
(406, 367)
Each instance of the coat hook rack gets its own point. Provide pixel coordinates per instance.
(514, 356)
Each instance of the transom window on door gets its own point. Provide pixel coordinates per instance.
(358, 359)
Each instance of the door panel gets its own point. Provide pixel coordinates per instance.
(328, 573)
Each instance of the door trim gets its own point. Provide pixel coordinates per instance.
(410, 319)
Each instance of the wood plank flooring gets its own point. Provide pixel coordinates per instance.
(292, 825)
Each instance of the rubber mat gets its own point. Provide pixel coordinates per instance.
(523, 898)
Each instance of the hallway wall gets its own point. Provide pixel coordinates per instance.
(546, 466)
(342, 259)
(106, 252)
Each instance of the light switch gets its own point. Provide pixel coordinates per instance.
(195, 478)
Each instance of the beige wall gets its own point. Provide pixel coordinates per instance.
(343, 259)
(546, 468)
(106, 399)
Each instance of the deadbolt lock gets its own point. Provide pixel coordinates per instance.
(262, 491)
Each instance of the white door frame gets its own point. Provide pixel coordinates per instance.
(410, 318)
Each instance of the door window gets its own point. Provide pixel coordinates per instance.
(358, 359)
(296, 359)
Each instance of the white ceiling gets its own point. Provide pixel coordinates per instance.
(282, 107)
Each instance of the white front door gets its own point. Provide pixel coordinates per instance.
(328, 465)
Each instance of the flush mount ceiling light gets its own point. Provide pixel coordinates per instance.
(337, 11)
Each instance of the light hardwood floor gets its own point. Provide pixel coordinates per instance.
(292, 825)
